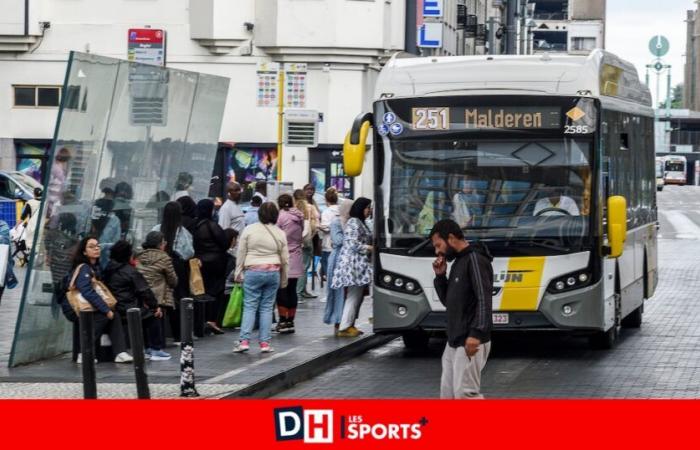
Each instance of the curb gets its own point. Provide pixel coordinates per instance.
(309, 369)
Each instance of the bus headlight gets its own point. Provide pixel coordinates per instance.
(399, 283)
(569, 282)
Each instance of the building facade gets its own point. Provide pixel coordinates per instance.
(567, 26)
(691, 100)
(335, 63)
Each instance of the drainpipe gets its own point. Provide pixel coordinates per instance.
(26, 17)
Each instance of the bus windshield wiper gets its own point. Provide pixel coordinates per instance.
(488, 228)
(544, 245)
(420, 246)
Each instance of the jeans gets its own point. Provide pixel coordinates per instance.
(259, 293)
(308, 255)
(324, 263)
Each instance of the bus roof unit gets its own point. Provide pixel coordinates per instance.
(600, 74)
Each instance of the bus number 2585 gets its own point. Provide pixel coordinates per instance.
(576, 129)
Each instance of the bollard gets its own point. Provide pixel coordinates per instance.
(187, 387)
(133, 318)
(87, 349)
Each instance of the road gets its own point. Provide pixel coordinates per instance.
(660, 360)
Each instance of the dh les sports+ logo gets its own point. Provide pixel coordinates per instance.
(317, 426)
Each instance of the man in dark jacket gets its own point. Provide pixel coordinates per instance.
(467, 296)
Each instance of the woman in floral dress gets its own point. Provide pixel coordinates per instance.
(353, 268)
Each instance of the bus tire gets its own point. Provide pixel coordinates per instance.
(415, 339)
(634, 319)
(604, 340)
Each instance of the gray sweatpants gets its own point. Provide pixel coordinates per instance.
(461, 376)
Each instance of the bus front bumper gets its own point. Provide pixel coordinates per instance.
(587, 312)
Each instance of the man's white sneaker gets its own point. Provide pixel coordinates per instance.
(123, 357)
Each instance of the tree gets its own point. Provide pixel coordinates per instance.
(676, 98)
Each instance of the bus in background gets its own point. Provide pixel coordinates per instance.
(548, 160)
(659, 173)
(675, 169)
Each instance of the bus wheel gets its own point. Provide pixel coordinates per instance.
(415, 339)
(604, 340)
(634, 319)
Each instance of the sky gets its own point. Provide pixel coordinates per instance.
(632, 23)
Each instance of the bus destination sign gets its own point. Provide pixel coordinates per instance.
(487, 117)
(521, 118)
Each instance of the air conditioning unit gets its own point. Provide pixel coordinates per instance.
(301, 127)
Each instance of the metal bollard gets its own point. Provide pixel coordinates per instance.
(133, 318)
(187, 387)
(87, 350)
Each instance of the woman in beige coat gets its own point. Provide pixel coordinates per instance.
(156, 266)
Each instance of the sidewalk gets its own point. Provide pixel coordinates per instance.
(218, 371)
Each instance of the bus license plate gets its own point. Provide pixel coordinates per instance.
(500, 319)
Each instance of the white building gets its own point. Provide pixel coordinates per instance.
(342, 43)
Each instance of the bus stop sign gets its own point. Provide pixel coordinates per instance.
(659, 46)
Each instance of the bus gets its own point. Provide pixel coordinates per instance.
(675, 170)
(659, 173)
(548, 160)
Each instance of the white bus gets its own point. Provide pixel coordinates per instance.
(548, 160)
(675, 170)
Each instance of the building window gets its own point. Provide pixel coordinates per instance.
(583, 44)
(37, 96)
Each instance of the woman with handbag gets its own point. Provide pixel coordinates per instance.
(210, 248)
(262, 263)
(86, 274)
(291, 221)
(353, 267)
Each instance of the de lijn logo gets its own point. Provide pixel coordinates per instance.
(316, 426)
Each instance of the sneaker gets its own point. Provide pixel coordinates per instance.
(242, 346)
(308, 295)
(289, 328)
(349, 332)
(79, 360)
(265, 347)
(123, 357)
(176, 343)
(281, 327)
(160, 355)
(355, 330)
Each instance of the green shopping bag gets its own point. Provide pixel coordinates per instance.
(234, 309)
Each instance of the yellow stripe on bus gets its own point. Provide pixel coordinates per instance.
(521, 290)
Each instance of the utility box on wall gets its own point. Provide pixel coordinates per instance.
(301, 127)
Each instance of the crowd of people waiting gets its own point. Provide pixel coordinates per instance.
(268, 248)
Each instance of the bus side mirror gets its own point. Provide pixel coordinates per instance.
(617, 225)
(355, 145)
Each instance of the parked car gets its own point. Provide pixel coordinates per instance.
(13, 188)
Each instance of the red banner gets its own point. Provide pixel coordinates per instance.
(385, 424)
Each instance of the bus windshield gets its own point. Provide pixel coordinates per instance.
(659, 170)
(522, 192)
(675, 166)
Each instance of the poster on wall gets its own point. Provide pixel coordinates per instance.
(31, 158)
(250, 164)
(295, 85)
(267, 84)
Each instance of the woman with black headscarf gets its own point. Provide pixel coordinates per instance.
(189, 213)
(210, 247)
(353, 268)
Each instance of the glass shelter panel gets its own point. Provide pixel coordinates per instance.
(127, 139)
